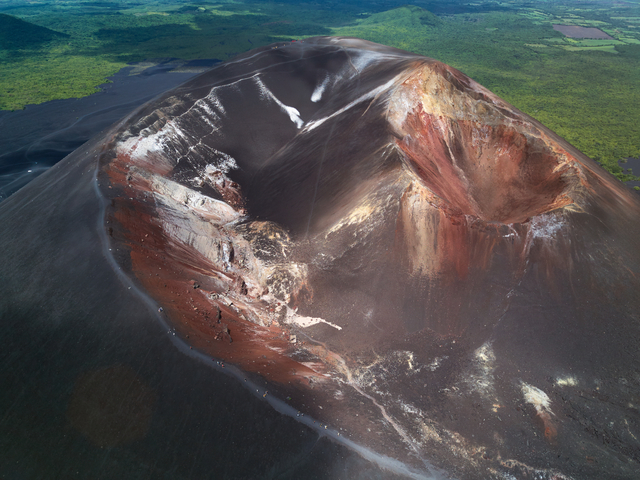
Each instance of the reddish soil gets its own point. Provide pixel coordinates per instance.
(504, 176)
(184, 282)
(574, 31)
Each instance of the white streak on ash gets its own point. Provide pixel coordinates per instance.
(293, 113)
(316, 96)
(537, 398)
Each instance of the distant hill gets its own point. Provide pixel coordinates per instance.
(404, 15)
(18, 34)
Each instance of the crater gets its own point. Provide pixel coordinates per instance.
(476, 152)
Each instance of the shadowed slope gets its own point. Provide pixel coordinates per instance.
(17, 34)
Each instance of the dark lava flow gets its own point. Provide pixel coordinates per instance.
(34, 139)
(370, 236)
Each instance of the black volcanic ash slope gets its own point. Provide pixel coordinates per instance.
(403, 256)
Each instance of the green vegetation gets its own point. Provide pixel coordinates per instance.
(587, 96)
(86, 42)
(585, 90)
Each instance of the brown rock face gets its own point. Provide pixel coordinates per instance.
(475, 152)
(376, 231)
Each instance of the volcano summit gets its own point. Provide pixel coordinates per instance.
(420, 269)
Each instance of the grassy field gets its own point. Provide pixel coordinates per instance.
(585, 90)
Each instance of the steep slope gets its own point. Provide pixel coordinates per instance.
(395, 236)
(415, 265)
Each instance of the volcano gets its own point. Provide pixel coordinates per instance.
(374, 244)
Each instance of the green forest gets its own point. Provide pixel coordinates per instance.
(586, 90)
